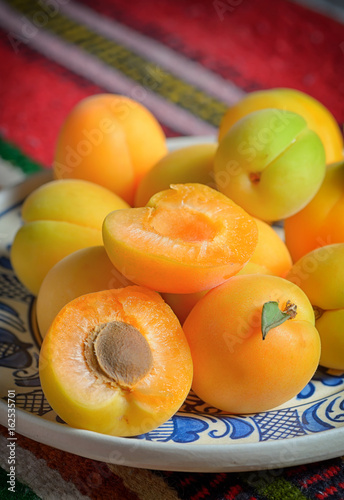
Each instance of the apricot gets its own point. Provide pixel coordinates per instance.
(84, 271)
(188, 238)
(59, 217)
(321, 221)
(270, 163)
(253, 343)
(270, 256)
(111, 140)
(320, 274)
(116, 362)
(190, 164)
(317, 116)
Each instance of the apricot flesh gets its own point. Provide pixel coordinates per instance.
(83, 271)
(234, 368)
(317, 116)
(59, 218)
(320, 274)
(187, 239)
(88, 390)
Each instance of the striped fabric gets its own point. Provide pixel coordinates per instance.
(187, 62)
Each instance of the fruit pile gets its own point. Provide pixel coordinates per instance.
(156, 271)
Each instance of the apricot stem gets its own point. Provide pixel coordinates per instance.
(272, 315)
(318, 312)
(118, 352)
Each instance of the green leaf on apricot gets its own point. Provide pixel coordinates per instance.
(272, 316)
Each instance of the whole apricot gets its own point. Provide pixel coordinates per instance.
(84, 271)
(253, 343)
(116, 362)
(320, 274)
(187, 239)
(111, 140)
(190, 164)
(59, 217)
(321, 221)
(317, 116)
(270, 163)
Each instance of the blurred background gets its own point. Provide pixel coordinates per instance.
(186, 61)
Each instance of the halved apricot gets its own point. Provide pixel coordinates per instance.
(116, 362)
(188, 238)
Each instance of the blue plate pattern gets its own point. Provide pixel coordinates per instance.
(318, 408)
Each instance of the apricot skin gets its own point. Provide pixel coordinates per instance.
(189, 164)
(270, 163)
(84, 271)
(82, 399)
(60, 217)
(320, 274)
(234, 368)
(321, 222)
(187, 239)
(318, 118)
(110, 140)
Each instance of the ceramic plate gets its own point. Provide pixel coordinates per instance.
(308, 428)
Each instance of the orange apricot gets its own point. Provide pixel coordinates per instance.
(321, 221)
(116, 362)
(83, 271)
(188, 164)
(247, 360)
(111, 140)
(187, 239)
(271, 255)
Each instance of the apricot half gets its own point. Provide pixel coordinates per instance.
(246, 361)
(187, 239)
(116, 362)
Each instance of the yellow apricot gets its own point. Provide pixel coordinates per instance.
(188, 164)
(60, 217)
(317, 116)
(320, 274)
(84, 271)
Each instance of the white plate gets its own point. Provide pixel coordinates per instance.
(198, 438)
